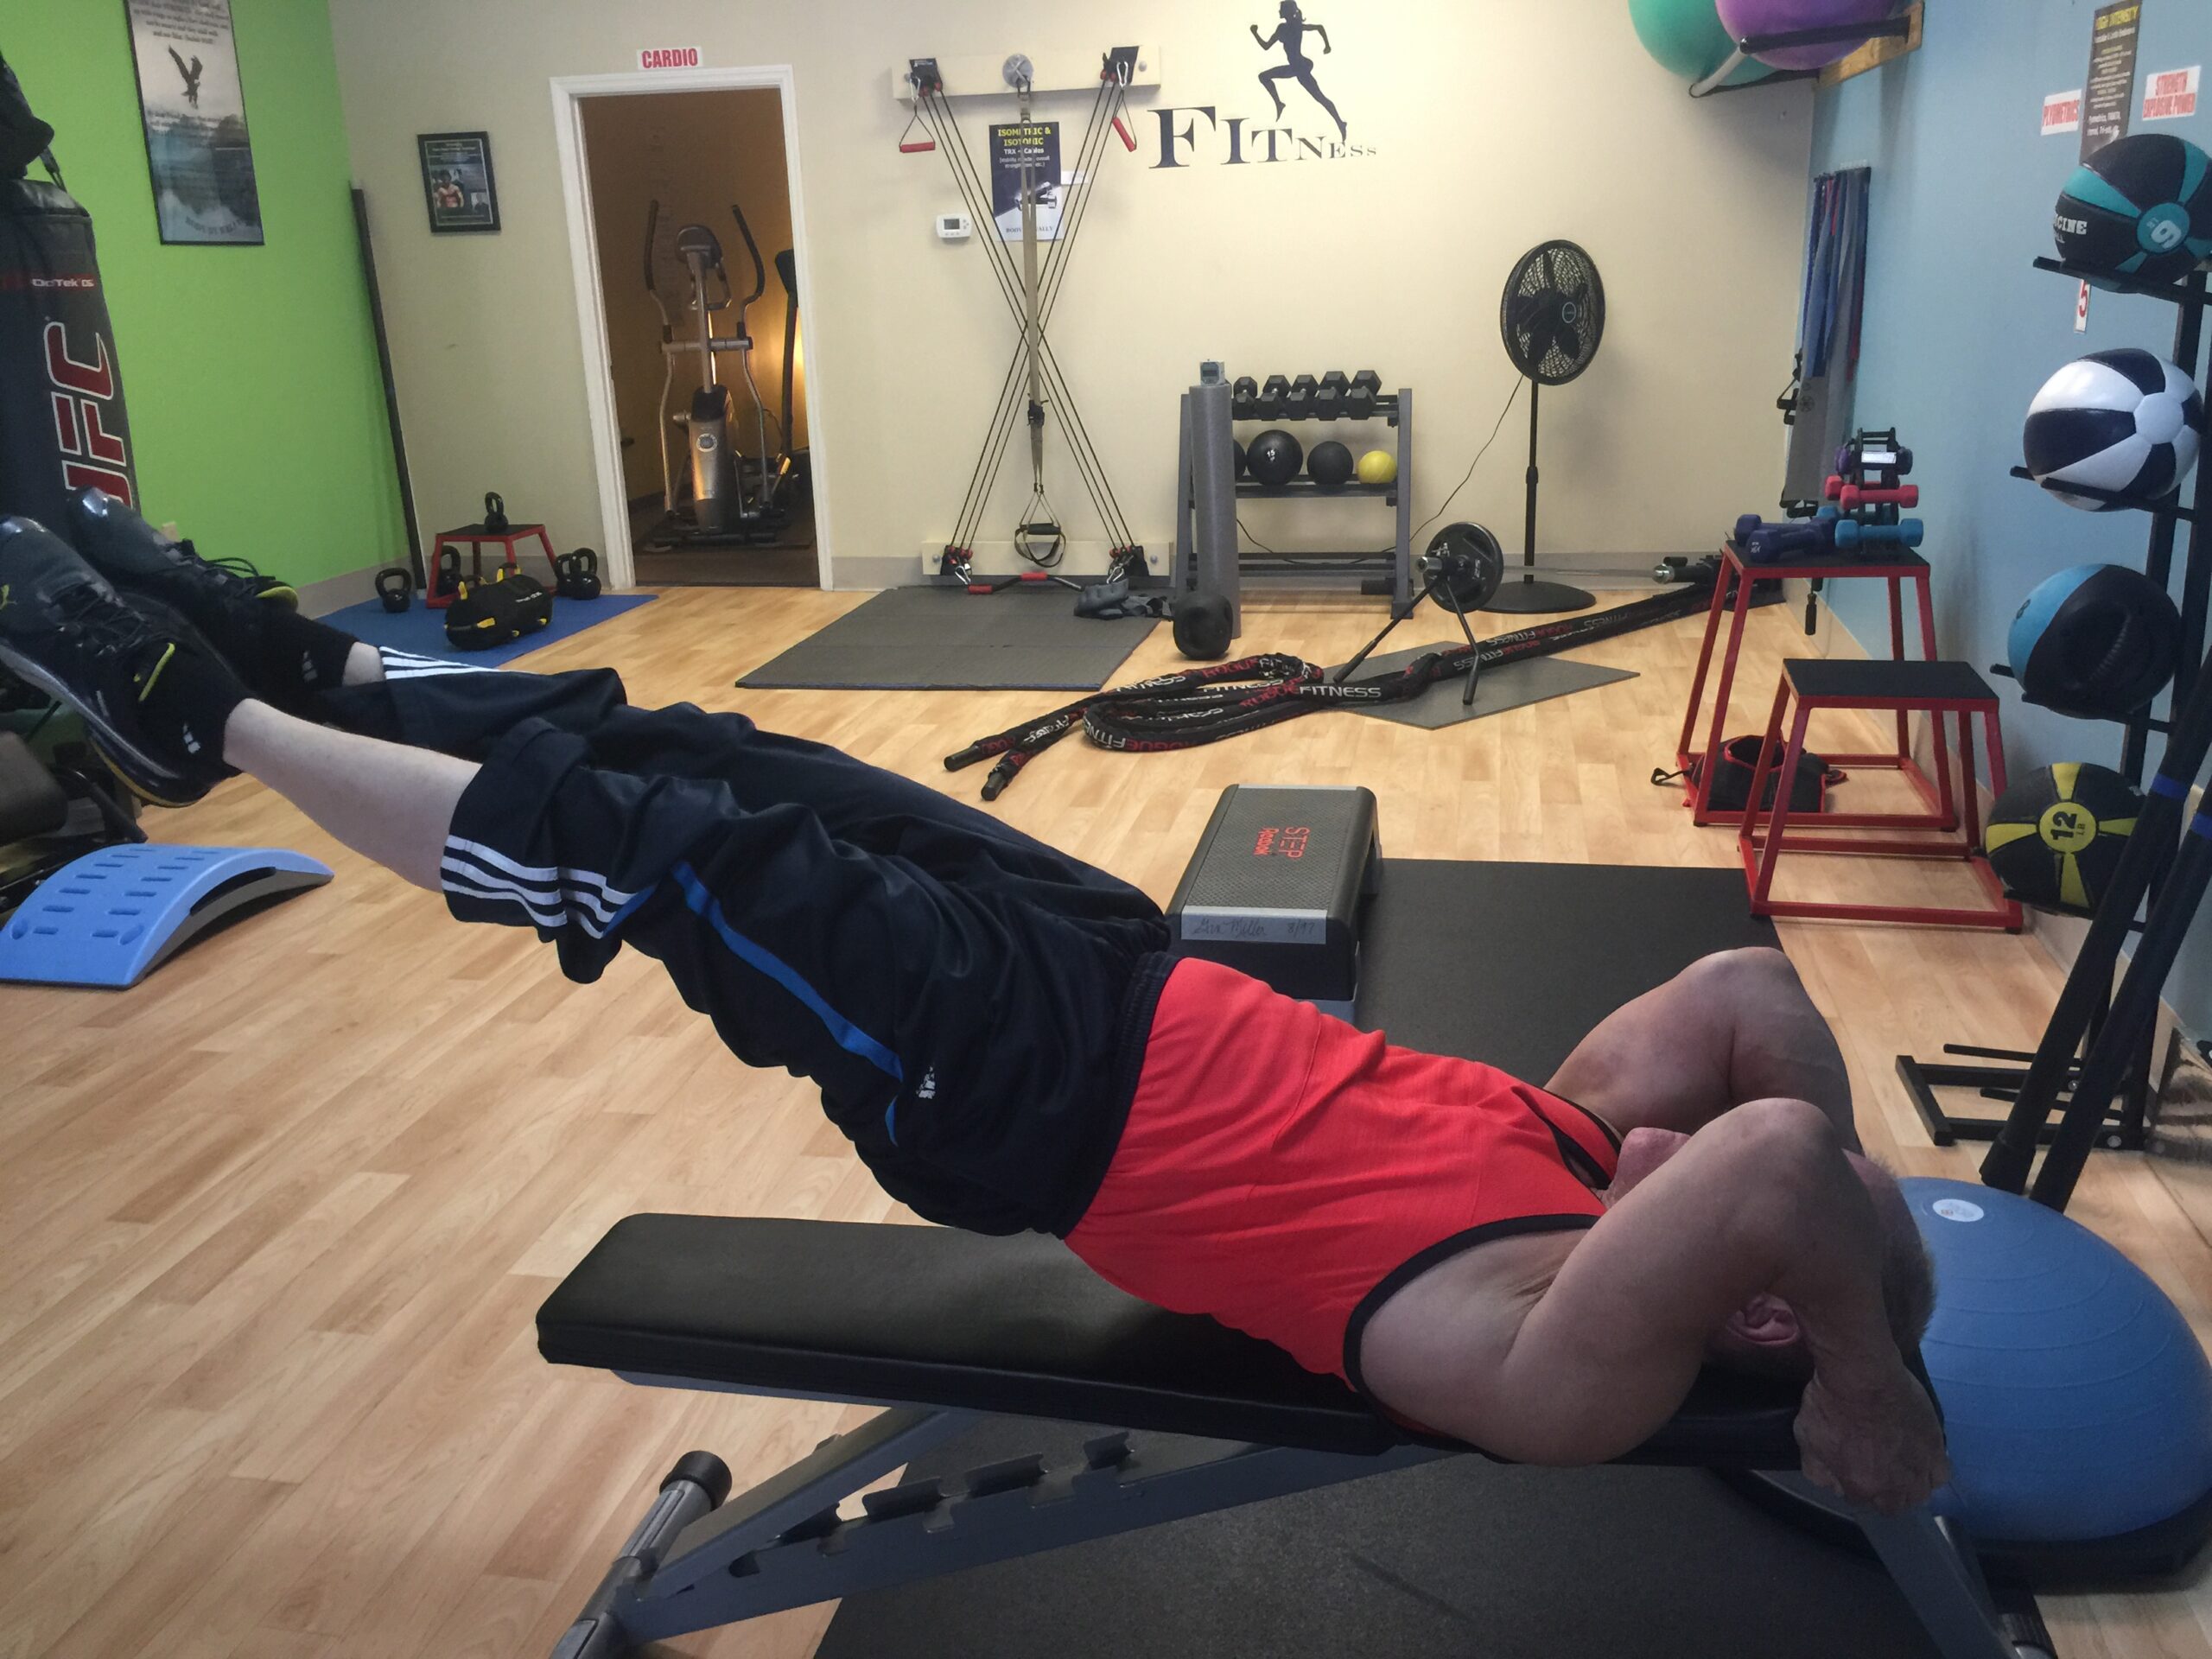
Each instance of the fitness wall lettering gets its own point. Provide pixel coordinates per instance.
(83, 393)
(1236, 140)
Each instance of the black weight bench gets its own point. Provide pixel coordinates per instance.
(942, 1328)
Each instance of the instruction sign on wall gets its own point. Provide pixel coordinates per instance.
(2061, 113)
(2171, 94)
(2109, 97)
(1028, 149)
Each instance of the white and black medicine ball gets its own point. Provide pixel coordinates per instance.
(2126, 421)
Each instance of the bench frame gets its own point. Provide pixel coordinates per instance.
(696, 1562)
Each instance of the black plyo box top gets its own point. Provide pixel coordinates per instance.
(1274, 889)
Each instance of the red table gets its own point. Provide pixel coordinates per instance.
(473, 536)
(1731, 596)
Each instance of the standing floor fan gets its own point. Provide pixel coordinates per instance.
(1552, 316)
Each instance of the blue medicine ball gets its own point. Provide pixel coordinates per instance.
(2077, 1403)
(2140, 207)
(2097, 641)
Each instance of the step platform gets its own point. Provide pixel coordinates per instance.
(112, 916)
(1275, 887)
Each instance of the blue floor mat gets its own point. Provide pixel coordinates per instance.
(422, 630)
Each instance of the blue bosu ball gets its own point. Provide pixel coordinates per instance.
(2077, 1401)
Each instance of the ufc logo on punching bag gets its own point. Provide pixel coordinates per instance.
(82, 393)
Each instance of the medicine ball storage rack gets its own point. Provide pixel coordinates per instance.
(1209, 556)
(2094, 1064)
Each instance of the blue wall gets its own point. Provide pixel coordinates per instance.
(1961, 329)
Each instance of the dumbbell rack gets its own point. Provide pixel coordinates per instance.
(1394, 410)
(2008, 1075)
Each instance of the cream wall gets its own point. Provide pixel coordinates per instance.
(1495, 124)
(695, 152)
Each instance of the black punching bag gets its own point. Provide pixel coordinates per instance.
(62, 424)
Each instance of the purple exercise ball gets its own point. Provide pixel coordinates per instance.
(1747, 19)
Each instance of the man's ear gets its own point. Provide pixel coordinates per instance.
(1765, 1322)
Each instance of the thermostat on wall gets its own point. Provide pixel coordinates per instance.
(953, 227)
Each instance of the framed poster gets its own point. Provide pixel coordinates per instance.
(193, 110)
(457, 181)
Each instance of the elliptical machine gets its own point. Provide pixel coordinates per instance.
(725, 504)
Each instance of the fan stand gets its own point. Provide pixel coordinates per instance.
(1529, 594)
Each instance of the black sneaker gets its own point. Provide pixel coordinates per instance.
(68, 633)
(218, 596)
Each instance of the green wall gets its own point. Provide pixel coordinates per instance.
(251, 372)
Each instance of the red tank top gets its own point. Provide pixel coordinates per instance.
(1286, 1173)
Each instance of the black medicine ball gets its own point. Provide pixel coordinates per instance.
(1330, 465)
(2096, 641)
(2055, 837)
(1203, 627)
(1273, 456)
(2140, 207)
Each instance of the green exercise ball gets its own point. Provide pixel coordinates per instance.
(1688, 38)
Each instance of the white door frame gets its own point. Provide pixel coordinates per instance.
(569, 94)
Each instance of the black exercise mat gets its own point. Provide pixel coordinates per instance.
(944, 639)
(1509, 685)
(1457, 1559)
(1511, 963)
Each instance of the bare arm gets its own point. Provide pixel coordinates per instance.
(1267, 43)
(1760, 1201)
(1326, 48)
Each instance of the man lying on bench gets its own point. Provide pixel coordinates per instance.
(999, 1029)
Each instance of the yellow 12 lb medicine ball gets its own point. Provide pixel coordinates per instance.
(2054, 836)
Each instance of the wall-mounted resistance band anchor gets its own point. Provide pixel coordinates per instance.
(922, 75)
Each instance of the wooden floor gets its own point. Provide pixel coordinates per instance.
(275, 1223)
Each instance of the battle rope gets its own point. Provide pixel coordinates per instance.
(1205, 705)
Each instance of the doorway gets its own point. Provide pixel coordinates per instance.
(691, 278)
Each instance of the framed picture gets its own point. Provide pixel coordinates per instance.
(193, 111)
(457, 181)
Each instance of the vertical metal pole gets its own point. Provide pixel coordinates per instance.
(1529, 539)
(1402, 578)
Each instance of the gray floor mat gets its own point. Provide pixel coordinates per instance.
(935, 638)
(1513, 685)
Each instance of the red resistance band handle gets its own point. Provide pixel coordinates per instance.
(1129, 140)
(923, 147)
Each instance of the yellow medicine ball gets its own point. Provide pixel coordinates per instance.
(1378, 467)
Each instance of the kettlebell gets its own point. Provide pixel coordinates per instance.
(396, 587)
(577, 575)
(445, 582)
(495, 513)
(1203, 627)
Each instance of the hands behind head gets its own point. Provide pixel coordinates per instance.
(1875, 1440)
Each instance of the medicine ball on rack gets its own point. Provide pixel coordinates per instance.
(2097, 641)
(1238, 450)
(1203, 627)
(1330, 466)
(2127, 421)
(1273, 456)
(2140, 207)
(2055, 838)
(1378, 467)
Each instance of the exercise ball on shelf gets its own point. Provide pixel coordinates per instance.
(2096, 642)
(2140, 207)
(1745, 19)
(1687, 39)
(1273, 456)
(2123, 420)
(2077, 1403)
